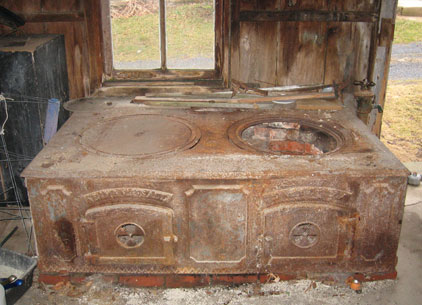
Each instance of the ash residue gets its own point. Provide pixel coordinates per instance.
(94, 290)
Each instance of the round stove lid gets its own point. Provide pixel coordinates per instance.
(140, 135)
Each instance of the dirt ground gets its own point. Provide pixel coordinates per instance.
(95, 291)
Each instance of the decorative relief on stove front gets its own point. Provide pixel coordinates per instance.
(59, 188)
(305, 235)
(130, 235)
(125, 192)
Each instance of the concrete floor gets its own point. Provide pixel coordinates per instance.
(407, 289)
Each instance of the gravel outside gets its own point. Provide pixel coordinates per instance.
(406, 61)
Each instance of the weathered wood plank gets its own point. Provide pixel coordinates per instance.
(242, 100)
(76, 16)
(247, 5)
(354, 5)
(339, 61)
(268, 4)
(169, 84)
(308, 15)
(348, 52)
(147, 90)
(319, 105)
(382, 60)
(77, 55)
(260, 4)
(218, 49)
(258, 54)
(92, 11)
(234, 61)
(22, 6)
(163, 43)
(60, 6)
(303, 5)
(106, 39)
(301, 53)
(226, 36)
(164, 75)
(362, 33)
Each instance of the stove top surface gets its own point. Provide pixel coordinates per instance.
(126, 140)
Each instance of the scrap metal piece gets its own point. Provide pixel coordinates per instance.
(414, 179)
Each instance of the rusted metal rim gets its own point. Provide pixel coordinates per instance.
(191, 141)
(235, 132)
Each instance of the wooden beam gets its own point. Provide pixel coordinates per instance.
(168, 83)
(159, 74)
(319, 16)
(55, 17)
(245, 100)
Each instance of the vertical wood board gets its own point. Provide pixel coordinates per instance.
(60, 6)
(92, 11)
(77, 55)
(303, 4)
(301, 53)
(258, 53)
(340, 58)
(353, 5)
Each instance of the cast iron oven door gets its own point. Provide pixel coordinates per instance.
(129, 231)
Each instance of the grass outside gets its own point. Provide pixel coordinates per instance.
(402, 120)
(189, 27)
(407, 31)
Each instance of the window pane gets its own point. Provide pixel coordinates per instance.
(190, 34)
(135, 34)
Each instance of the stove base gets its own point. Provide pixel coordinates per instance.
(200, 280)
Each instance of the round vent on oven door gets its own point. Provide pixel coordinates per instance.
(286, 136)
(130, 235)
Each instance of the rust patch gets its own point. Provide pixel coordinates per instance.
(66, 233)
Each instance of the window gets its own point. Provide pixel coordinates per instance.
(161, 34)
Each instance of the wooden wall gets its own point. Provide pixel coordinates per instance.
(80, 23)
(270, 42)
(301, 42)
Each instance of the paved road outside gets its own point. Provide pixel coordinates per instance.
(406, 61)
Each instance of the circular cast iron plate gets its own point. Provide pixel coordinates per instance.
(140, 136)
(235, 131)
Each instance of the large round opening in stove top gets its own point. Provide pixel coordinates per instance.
(140, 135)
(286, 136)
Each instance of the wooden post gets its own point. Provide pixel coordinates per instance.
(382, 60)
(107, 40)
(163, 42)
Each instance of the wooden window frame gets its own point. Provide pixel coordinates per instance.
(162, 73)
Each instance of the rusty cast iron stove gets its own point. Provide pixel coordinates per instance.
(126, 189)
